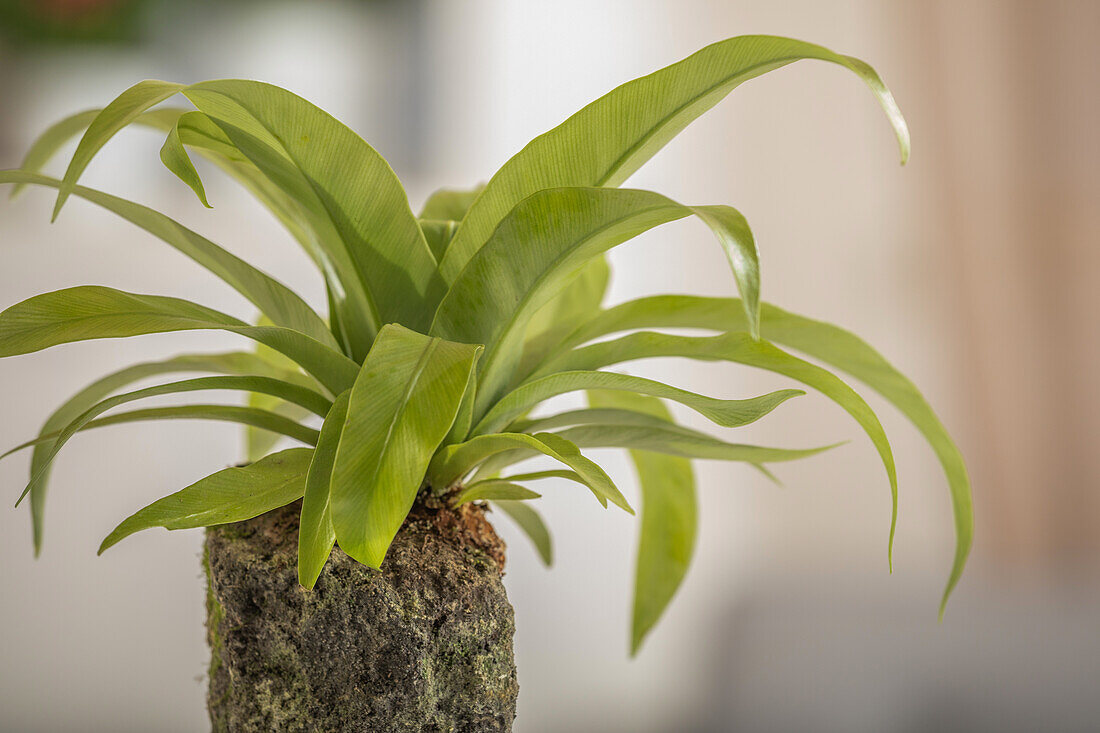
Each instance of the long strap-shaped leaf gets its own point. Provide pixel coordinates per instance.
(46, 145)
(403, 404)
(455, 461)
(347, 189)
(316, 534)
(543, 242)
(231, 495)
(532, 525)
(742, 349)
(124, 109)
(252, 416)
(832, 345)
(727, 413)
(194, 130)
(604, 143)
(276, 301)
(284, 390)
(494, 490)
(238, 363)
(666, 538)
(93, 312)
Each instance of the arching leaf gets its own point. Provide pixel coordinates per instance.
(278, 302)
(494, 490)
(540, 246)
(92, 312)
(742, 349)
(604, 143)
(727, 413)
(666, 540)
(454, 461)
(830, 344)
(403, 404)
(530, 521)
(46, 145)
(231, 495)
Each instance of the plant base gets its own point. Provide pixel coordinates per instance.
(425, 644)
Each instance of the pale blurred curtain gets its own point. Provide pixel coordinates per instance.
(1011, 106)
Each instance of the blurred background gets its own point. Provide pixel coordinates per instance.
(974, 269)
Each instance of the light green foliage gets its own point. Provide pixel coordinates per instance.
(445, 331)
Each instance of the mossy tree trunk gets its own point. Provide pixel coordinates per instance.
(425, 644)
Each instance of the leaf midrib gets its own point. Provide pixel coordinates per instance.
(421, 365)
(667, 119)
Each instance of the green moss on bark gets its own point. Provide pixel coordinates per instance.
(425, 644)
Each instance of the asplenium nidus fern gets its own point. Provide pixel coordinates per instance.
(445, 330)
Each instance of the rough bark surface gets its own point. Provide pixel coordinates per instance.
(425, 644)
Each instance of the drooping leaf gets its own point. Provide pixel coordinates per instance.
(454, 461)
(93, 312)
(284, 390)
(278, 302)
(316, 534)
(670, 439)
(123, 110)
(727, 413)
(403, 404)
(604, 143)
(231, 495)
(530, 521)
(830, 344)
(351, 195)
(742, 349)
(225, 413)
(666, 540)
(494, 490)
(56, 135)
(175, 158)
(538, 248)
(238, 363)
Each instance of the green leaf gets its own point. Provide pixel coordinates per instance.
(316, 534)
(125, 108)
(351, 195)
(575, 304)
(669, 518)
(830, 344)
(239, 363)
(542, 244)
(56, 135)
(449, 203)
(403, 404)
(742, 349)
(670, 439)
(727, 413)
(454, 461)
(225, 413)
(175, 158)
(278, 302)
(538, 475)
(92, 312)
(532, 525)
(438, 233)
(284, 390)
(604, 143)
(231, 495)
(494, 490)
